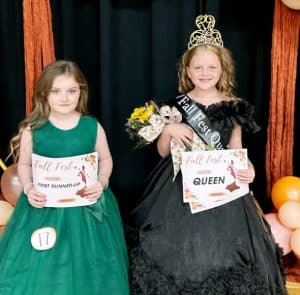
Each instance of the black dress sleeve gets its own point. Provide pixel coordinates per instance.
(244, 116)
(226, 114)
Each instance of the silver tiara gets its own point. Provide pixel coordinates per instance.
(206, 33)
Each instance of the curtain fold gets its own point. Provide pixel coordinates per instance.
(280, 138)
(38, 43)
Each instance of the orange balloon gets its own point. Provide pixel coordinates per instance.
(285, 189)
(293, 4)
(289, 214)
(11, 186)
(295, 242)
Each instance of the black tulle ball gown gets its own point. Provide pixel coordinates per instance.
(225, 250)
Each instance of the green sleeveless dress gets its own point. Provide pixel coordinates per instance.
(90, 254)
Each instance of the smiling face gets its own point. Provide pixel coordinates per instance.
(204, 69)
(64, 95)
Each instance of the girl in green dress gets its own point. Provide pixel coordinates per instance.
(63, 250)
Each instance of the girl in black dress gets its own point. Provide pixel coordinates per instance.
(228, 249)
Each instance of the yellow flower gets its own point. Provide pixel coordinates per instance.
(145, 116)
(136, 113)
(147, 113)
(138, 119)
(139, 110)
(142, 114)
(151, 108)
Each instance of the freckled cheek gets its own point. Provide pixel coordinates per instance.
(75, 101)
(195, 75)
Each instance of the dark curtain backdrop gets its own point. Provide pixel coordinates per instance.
(128, 50)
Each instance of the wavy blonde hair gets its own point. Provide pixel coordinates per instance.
(226, 84)
(41, 109)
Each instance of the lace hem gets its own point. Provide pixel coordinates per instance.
(148, 278)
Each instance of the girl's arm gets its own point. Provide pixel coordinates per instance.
(24, 162)
(235, 142)
(105, 158)
(35, 198)
(182, 133)
(105, 166)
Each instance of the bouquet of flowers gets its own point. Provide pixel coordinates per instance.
(144, 124)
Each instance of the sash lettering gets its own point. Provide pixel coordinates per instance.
(197, 119)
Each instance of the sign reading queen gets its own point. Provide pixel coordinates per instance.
(209, 177)
(63, 180)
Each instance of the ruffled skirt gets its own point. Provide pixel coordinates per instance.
(224, 250)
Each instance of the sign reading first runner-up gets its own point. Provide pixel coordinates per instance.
(63, 180)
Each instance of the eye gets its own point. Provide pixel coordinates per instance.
(54, 91)
(73, 91)
(212, 67)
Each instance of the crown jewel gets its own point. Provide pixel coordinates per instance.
(206, 33)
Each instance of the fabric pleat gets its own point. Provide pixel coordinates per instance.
(280, 141)
(38, 43)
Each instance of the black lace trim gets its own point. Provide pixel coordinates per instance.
(148, 278)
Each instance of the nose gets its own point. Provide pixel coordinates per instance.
(64, 96)
(205, 71)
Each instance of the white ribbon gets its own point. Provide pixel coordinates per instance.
(156, 125)
(157, 122)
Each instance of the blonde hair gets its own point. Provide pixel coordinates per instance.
(225, 85)
(41, 109)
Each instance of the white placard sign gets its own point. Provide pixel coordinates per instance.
(63, 180)
(209, 177)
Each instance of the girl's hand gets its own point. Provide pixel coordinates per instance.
(35, 198)
(246, 176)
(182, 133)
(93, 192)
